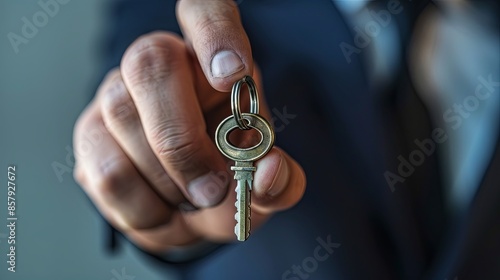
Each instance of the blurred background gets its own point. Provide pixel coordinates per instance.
(45, 82)
(50, 66)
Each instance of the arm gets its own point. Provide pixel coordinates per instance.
(155, 156)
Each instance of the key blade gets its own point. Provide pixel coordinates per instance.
(243, 175)
(242, 228)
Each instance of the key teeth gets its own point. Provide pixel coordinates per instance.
(236, 231)
(236, 228)
(249, 211)
(247, 222)
(237, 203)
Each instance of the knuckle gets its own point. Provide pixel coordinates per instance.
(177, 143)
(118, 107)
(206, 27)
(88, 139)
(111, 75)
(115, 178)
(152, 57)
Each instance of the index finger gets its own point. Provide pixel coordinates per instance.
(158, 74)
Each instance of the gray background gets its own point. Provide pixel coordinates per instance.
(43, 88)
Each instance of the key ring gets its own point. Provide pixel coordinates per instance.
(235, 100)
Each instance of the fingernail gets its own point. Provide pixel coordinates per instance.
(281, 179)
(226, 63)
(209, 189)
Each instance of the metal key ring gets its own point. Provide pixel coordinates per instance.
(235, 100)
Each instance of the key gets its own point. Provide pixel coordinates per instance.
(244, 157)
(243, 168)
(244, 177)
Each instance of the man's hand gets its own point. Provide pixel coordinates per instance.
(155, 117)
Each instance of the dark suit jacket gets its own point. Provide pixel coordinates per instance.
(350, 223)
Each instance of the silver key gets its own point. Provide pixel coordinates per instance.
(244, 157)
(243, 174)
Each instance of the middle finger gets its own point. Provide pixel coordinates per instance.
(122, 120)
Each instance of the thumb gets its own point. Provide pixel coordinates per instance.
(213, 29)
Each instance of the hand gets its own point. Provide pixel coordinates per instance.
(144, 146)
